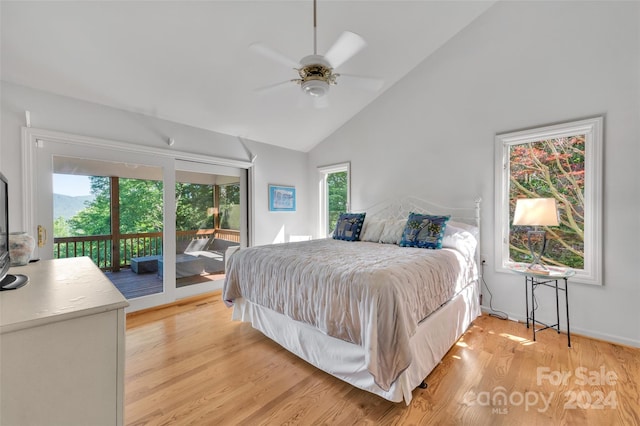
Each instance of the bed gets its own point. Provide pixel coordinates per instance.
(371, 312)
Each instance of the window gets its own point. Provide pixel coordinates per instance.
(334, 195)
(563, 162)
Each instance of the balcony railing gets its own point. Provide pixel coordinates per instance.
(100, 248)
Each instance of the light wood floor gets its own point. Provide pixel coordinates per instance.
(190, 364)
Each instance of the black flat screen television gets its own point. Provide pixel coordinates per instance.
(4, 227)
(7, 281)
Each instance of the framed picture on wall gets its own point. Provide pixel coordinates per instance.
(282, 198)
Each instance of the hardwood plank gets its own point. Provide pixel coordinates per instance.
(188, 363)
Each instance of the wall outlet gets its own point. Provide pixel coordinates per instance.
(483, 259)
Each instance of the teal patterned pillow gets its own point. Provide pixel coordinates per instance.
(349, 226)
(424, 231)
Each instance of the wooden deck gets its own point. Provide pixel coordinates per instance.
(133, 285)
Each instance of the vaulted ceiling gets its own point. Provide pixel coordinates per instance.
(189, 61)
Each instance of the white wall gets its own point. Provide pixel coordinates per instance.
(53, 112)
(520, 65)
(279, 166)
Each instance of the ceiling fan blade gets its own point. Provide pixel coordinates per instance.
(274, 55)
(347, 45)
(272, 87)
(367, 83)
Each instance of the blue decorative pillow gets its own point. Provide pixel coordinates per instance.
(349, 226)
(424, 231)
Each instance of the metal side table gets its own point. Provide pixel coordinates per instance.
(533, 279)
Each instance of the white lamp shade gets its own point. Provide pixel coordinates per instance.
(536, 212)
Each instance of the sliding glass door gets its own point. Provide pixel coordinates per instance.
(107, 209)
(209, 217)
(160, 228)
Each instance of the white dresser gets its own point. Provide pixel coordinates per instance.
(62, 347)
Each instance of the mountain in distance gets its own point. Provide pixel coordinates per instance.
(68, 206)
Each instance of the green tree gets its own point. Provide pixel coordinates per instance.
(61, 227)
(229, 206)
(230, 194)
(140, 208)
(337, 194)
(141, 204)
(192, 204)
(95, 219)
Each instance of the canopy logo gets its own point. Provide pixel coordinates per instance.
(500, 400)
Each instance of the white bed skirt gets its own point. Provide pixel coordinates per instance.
(346, 361)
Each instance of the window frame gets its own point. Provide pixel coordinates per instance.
(592, 128)
(324, 171)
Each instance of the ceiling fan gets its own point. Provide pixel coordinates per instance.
(316, 72)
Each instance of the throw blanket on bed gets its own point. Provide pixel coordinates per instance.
(369, 294)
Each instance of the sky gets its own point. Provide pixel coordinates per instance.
(72, 185)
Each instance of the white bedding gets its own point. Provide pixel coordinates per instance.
(346, 361)
(369, 294)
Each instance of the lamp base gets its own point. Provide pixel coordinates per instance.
(536, 264)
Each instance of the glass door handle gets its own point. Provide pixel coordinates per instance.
(42, 236)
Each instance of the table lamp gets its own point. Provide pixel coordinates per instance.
(536, 212)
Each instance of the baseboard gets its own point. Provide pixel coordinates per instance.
(577, 331)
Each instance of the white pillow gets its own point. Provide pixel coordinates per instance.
(392, 232)
(372, 229)
(465, 227)
(461, 240)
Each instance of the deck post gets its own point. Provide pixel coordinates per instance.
(115, 224)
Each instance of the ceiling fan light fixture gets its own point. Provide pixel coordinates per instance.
(316, 71)
(315, 88)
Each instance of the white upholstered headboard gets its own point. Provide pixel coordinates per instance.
(397, 209)
(401, 207)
